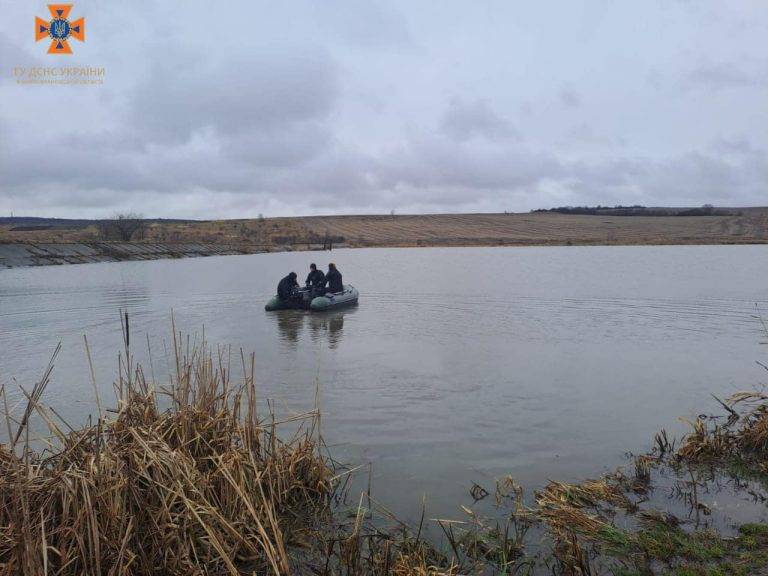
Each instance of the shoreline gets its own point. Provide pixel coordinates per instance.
(35, 254)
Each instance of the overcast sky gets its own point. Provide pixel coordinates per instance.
(231, 109)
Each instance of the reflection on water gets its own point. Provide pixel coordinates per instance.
(473, 364)
(327, 326)
(290, 323)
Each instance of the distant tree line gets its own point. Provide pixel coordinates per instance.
(638, 210)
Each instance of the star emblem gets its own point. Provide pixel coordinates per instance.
(60, 29)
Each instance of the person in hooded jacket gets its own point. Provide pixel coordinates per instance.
(333, 279)
(286, 289)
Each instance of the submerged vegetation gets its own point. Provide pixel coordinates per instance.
(189, 478)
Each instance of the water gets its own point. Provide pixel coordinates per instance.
(458, 366)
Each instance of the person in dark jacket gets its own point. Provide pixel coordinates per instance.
(286, 289)
(315, 277)
(315, 281)
(333, 278)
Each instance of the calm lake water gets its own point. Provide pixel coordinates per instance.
(458, 365)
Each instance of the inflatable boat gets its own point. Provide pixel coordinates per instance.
(346, 297)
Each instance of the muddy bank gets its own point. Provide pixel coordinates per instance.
(38, 254)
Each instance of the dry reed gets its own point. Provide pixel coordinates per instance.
(203, 486)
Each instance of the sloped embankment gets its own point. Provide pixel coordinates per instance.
(39, 254)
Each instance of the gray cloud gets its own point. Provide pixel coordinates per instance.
(263, 93)
(291, 146)
(584, 133)
(727, 75)
(371, 24)
(465, 120)
(431, 174)
(569, 98)
(11, 56)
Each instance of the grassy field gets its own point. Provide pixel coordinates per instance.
(542, 229)
(747, 225)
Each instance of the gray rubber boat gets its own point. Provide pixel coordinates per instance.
(346, 297)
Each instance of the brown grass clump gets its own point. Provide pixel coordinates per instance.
(588, 493)
(577, 514)
(417, 564)
(202, 486)
(704, 443)
(753, 434)
(744, 435)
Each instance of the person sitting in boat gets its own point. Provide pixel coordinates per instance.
(288, 288)
(315, 278)
(333, 278)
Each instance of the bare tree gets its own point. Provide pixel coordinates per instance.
(126, 227)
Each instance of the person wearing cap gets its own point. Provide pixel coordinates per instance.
(333, 279)
(286, 289)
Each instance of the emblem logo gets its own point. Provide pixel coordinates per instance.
(59, 29)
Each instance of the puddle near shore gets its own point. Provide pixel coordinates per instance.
(720, 501)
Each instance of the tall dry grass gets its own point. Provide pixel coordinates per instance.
(185, 479)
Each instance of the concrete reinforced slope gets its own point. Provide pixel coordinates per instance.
(16, 255)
